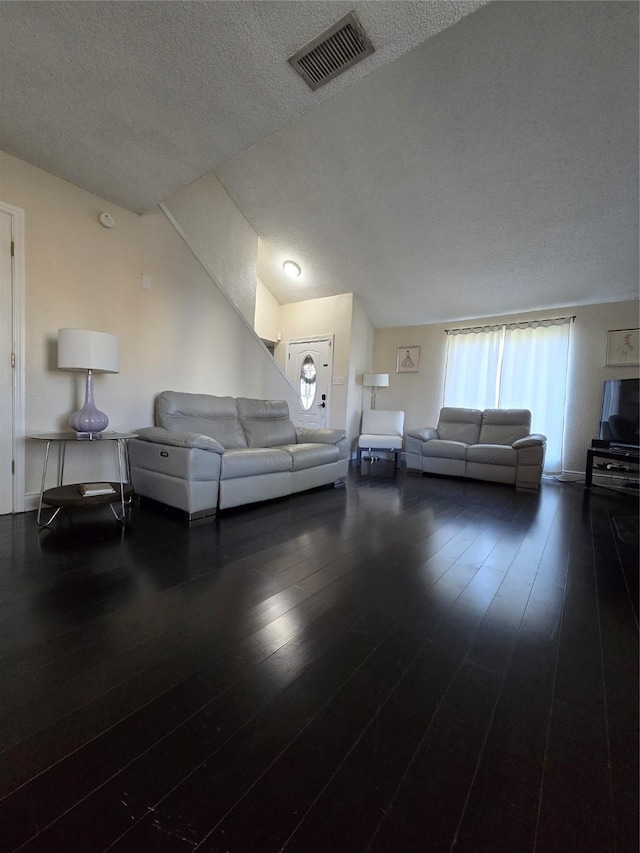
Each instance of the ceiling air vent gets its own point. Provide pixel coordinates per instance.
(331, 53)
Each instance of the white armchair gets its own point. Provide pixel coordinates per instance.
(382, 433)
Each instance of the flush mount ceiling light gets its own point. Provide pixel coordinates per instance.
(291, 269)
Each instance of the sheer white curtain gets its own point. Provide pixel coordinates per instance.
(473, 367)
(534, 377)
(517, 366)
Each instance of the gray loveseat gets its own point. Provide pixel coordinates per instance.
(209, 453)
(494, 444)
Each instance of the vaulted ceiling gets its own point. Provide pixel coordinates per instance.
(484, 160)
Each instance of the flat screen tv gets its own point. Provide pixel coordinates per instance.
(620, 418)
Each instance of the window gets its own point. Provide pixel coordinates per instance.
(513, 366)
(308, 385)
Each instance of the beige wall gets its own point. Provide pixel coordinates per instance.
(328, 316)
(220, 237)
(362, 341)
(183, 334)
(267, 317)
(420, 394)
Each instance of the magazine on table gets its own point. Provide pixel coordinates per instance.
(91, 489)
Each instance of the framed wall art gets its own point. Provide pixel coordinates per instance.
(623, 348)
(408, 360)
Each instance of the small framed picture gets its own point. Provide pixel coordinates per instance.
(408, 360)
(622, 348)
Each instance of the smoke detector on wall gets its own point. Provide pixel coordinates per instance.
(332, 52)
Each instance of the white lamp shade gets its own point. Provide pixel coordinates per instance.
(375, 380)
(82, 349)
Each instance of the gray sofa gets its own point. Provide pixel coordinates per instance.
(494, 444)
(209, 453)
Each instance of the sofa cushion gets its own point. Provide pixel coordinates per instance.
(311, 455)
(504, 426)
(444, 449)
(266, 423)
(245, 462)
(492, 454)
(458, 424)
(216, 417)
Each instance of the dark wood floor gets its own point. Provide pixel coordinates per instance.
(404, 664)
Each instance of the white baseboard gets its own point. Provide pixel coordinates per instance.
(31, 501)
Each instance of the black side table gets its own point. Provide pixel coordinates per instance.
(66, 496)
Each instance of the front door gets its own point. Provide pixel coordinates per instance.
(309, 369)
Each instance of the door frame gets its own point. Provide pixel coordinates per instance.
(314, 339)
(18, 349)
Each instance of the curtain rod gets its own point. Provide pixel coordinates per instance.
(570, 319)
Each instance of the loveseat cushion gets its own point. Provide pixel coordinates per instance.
(444, 449)
(492, 454)
(457, 424)
(246, 462)
(504, 426)
(216, 417)
(266, 423)
(311, 455)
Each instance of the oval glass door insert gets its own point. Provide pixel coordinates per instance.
(308, 380)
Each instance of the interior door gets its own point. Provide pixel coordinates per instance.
(309, 366)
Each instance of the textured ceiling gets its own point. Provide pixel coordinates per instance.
(133, 100)
(477, 164)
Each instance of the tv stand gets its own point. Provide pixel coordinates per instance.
(617, 455)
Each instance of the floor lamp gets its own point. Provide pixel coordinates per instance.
(375, 381)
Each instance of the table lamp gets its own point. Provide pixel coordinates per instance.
(95, 352)
(374, 381)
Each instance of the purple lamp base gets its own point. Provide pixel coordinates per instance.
(88, 419)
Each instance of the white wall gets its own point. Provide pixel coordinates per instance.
(220, 237)
(183, 334)
(420, 394)
(327, 316)
(267, 317)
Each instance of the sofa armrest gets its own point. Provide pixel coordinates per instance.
(413, 442)
(159, 435)
(308, 435)
(530, 451)
(425, 434)
(533, 440)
